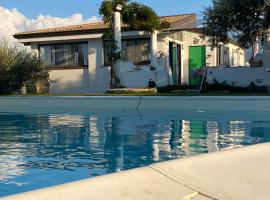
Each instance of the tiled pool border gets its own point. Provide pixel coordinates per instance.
(261, 103)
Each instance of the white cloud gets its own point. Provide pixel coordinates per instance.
(13, 21)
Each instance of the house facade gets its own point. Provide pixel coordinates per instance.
(76, 56)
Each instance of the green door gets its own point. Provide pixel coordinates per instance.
(197, 60)
(198, 134)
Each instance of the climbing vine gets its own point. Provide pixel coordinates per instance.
(137, 16)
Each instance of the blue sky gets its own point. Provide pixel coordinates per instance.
(89, 8)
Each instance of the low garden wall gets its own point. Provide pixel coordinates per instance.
(239, 76)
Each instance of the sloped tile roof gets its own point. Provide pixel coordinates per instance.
(91, 27)
(175, 18)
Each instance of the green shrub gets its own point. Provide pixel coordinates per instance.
(217, 86)
(18, 68)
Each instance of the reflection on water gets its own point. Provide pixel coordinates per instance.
(43, 150)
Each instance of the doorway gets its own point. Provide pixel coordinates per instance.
(175, 60)
(197, 60)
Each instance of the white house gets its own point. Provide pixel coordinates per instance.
(245, 76)
(77, 59)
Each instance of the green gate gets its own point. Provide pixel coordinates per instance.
(197, 60)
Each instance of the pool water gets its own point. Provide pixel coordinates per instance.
(41, 150)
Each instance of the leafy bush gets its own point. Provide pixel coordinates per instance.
(18, 68)
(217, 86)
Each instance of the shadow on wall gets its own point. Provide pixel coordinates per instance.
(76, 81)
(99, 75)
(240, 76)
(62, 81)
(140, 78)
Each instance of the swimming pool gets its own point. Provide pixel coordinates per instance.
(50, 141)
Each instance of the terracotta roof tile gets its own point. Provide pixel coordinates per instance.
(175, 18)
(88, 27)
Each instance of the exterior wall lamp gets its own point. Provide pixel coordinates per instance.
(119, 7)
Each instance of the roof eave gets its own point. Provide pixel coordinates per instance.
(53, 34)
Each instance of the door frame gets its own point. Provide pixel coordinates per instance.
(176, 60)
(189, 65)
(179, 64)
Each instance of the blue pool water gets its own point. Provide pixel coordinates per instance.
(40, 150)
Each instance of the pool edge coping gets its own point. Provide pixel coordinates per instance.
(168, 170)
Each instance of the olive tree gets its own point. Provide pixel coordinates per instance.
(243, 20)
(17, 68)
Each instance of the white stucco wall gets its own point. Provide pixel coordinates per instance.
(236, 55)
(240, 76)
(132, 76)
(193, 39)
(99, 76)
(139, 78)
(94, 79)
(68, 80)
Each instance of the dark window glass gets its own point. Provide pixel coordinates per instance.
(64, 55)
(135, 50)
(83, 54)
(46, 55)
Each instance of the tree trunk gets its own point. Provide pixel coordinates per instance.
(115, 81)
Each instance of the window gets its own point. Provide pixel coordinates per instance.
(226, 56)
(64, 55)
(135, 50)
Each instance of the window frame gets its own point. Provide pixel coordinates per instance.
(135, 40)
(59, 67)
(140, 63)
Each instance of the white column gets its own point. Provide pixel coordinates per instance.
(266, 51)
(154, 47)
(92, 64)
(117, 28)
(118, 37)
